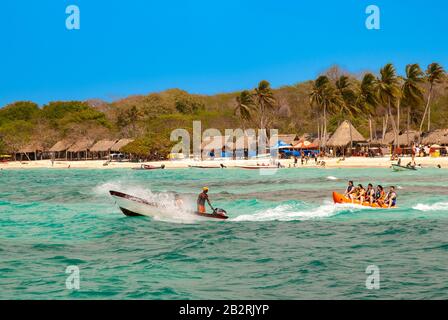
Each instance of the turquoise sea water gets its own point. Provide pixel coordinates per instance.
(285, 239)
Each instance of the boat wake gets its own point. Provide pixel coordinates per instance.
(292, 213)
(439, 206)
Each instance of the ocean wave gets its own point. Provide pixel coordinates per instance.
(290, 213)
(438, 206)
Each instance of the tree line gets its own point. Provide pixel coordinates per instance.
(417, 100)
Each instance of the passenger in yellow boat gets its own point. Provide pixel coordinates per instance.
(350, 189)
(380, 195)
(370, 194)
(391, 198)
(361, 193)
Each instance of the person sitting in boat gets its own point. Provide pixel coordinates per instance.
(391, 198)
(350, 189)
(380, 195)
(202, 198)
(370, 194)
(360, 194)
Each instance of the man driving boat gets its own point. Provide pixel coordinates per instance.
(202, 198)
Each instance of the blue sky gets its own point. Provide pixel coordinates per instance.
(203, 46)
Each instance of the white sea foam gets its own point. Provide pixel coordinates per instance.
(288, 213)
(438, 206)
(332, 178)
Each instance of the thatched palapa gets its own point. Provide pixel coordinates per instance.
(32, 148)
(407, 138)
(289, 138)
(121, 144)
(81, 146)
(103, 146)
(345, 135)
(61, 146)
(436, 137)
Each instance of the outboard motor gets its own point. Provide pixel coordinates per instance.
(221, 212)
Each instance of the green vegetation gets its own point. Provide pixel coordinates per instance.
(374, 103)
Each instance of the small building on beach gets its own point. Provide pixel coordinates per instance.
(32, 151)
(80, 150)
(102, 149)
(439, 137)
(290, 139)
(120, 144)
(346, 140)
(59, 150)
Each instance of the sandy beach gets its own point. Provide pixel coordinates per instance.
(354, 162)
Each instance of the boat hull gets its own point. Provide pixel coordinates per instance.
(132, 206)
(396, 167)
(340, 198)
(258, 167)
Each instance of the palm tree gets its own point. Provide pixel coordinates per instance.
(434, 75)
(245, 105)
(411, 90)
(347, 94)
(264, 101)
(367, 99)
(324, 96)
(389, 91)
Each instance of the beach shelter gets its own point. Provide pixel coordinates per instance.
(306, 145)
(32, 151)
(121, 144)
(345, 138)
(439, 137)
(59, 150)
(80, 149)
(102, 148)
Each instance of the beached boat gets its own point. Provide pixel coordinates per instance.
(132, 206)
(257, 167)
(221, 166)
(397, 167)
(148, 167)
(340, 198)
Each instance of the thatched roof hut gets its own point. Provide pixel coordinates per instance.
(289, 138)
(389, 138)
(345, 135)
(61, 146)
(436, 137)
(103, 146)
(31, 148)
(81, 146)
(407, 138)
(120, 144)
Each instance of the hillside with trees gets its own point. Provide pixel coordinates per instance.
(374, 103)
